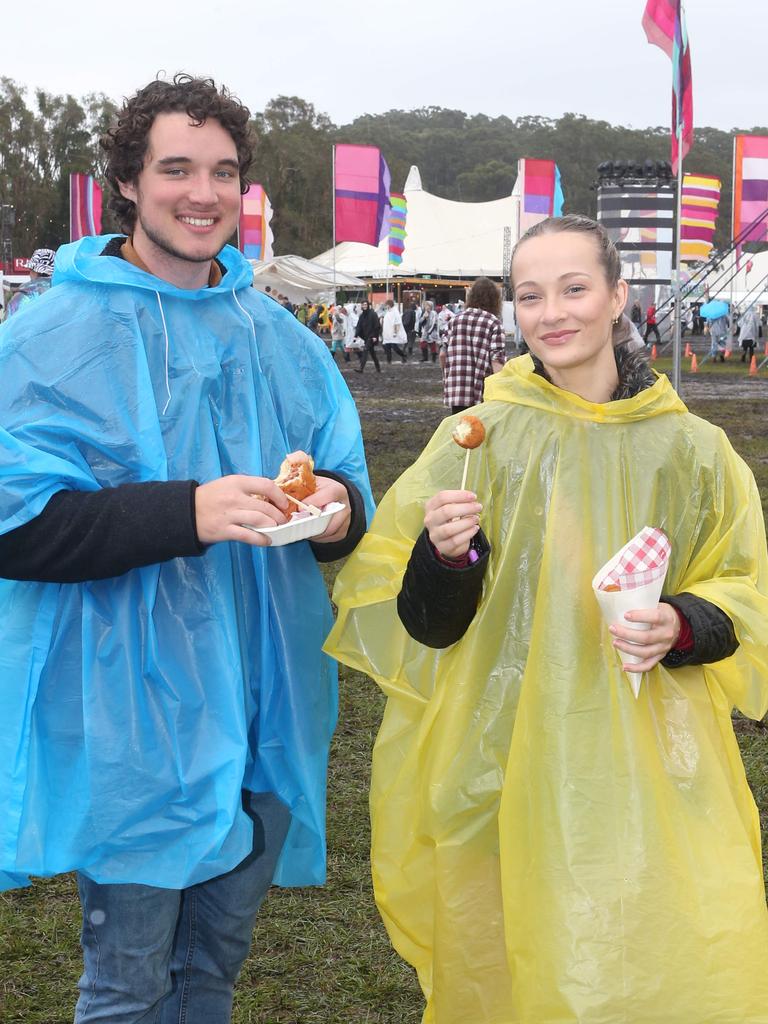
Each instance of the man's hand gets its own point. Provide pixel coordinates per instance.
(223, 507)
(651, 645)
(452, 519)
(327, 491)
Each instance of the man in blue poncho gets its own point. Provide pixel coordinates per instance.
(166, 709)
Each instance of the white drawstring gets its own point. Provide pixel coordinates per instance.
(165, 331)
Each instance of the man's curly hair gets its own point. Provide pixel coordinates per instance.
(125, 144)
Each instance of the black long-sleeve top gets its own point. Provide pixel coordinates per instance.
(437, 603)
(93, 535)
(368, 326)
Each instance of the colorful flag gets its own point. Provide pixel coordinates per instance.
(84, 206)
(540, 190)
(255, 238)
(750, 188)
(699, 203)
(664, 24)
(361, 194)
(397, 232)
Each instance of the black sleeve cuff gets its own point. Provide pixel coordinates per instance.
(713, 634)
(341, 548)
(437, 602)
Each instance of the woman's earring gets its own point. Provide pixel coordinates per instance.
(615, 321)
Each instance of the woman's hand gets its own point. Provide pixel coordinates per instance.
(651, 645)
(452, 518)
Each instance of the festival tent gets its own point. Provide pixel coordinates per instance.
(445, 239)
(300, 279)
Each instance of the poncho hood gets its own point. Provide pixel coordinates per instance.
(83, 261)
(519, 384)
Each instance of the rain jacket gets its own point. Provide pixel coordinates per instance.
(546, 848)
(135, 709)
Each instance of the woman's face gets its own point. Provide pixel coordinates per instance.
(364, 306)
(564, 304)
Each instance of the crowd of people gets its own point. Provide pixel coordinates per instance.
(548, 844)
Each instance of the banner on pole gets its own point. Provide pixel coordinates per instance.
(664, 25)
(255, 237)
(700, 200)
(84, 206)
(361, 194)
(397, 232)
(750, 188)
(540, 191)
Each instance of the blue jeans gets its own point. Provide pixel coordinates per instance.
(171, 956)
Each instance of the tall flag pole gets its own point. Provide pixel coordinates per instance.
(84, 206)
(664, 25)
(333, 193)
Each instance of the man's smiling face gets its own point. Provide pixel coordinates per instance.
(187, 196)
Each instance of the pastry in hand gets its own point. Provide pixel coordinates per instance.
(296, 478)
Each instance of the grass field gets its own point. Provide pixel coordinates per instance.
(322, 955)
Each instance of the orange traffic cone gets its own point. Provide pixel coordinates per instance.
(653, 352)
(694, 364)
(727, 353)
(688, 352)
(765, 353)
(753, 367)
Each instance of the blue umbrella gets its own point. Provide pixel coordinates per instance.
(714, 310)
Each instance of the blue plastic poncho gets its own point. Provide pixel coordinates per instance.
(135, 709)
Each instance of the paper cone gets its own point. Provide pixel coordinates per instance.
(613, 605)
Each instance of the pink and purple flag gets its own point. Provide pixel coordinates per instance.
(700, 200)
(397, 232)
(750, 188)
(664, 25)
(84, 206)
(361, 194)
(540, 190)
(255, 238)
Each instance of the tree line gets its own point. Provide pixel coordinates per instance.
(471, 158)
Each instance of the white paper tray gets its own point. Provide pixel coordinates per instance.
(299, 529)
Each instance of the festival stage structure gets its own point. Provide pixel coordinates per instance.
(636, 204)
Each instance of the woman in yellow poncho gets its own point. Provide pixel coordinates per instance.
(548, 849)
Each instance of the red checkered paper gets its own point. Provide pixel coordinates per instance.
(642, 560)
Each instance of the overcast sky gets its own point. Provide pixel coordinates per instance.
(351, 57)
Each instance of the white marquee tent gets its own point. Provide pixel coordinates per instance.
(301, 280)
(443, 239)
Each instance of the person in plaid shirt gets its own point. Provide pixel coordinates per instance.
(475, 346)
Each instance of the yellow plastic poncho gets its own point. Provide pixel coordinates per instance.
(546, 848)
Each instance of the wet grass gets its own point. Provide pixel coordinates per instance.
(321, 955)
